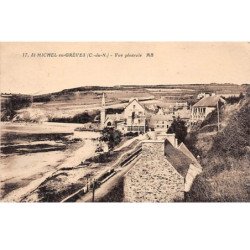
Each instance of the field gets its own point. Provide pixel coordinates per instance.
(70, 102)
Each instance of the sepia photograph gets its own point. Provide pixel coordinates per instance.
(124, 124)
(134, 122)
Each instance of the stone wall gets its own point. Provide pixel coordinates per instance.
(153, 178)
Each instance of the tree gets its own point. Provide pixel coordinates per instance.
(111, 136)
(234, 99)
(13, 104)
(178, 127)
(82, 118)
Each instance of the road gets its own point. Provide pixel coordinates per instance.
(107, 186)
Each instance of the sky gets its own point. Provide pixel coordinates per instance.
(166, 63)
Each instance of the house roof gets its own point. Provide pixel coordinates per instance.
(182, 147)
(209, 101)
(165, 117)
(114, 117)
(178, 159)
(136, 101)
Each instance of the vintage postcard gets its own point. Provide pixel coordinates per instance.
(125, 122)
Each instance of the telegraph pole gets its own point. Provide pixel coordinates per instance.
(93, 189)
(218, 114)
(87, 184)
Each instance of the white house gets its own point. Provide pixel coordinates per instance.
(205, 106)
(133, 118)
(134, 114)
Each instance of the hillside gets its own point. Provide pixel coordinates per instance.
(70, 102)
(225, 156)
(123, 92)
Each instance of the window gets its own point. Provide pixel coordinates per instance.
(133, 106)
(133, 116)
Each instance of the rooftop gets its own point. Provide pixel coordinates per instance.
(178, 160)
(209, 101)
(164, 117)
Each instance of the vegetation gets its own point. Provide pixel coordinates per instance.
(234, 99)
(116, 194)
(111, 136)
(42, 98)
(191, 142)
(234, 140)
(178, 127)
(104, 157)
(111, 111)
(47, 192)
(14, 103)
(131, 134)
(226, 163)
(78, 118)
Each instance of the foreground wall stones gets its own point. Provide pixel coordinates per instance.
(153, 178)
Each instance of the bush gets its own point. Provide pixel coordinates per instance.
(190, 142)
(178, 127)
(111, 136)
(201, 191)
(78, 118)
(235, 138)
(210, 119)
(226, 164)
(13, 104)
(82, 118)
(132, 134)
(234, 99)
(102, 158)
(110, 111)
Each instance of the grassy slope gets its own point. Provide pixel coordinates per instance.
(69, 102)
(225, 157)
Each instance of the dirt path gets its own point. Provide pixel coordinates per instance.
(106, 187)
(128, 142)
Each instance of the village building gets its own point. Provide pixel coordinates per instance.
(202, 95)
(133, 118)
(178, 105)
(161, 121)
(139, 118)
(184, 114)
(205, 106)
(164, 172)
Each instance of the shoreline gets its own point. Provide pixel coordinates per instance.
(23, 173)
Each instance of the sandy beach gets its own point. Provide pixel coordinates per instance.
(22, 173)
